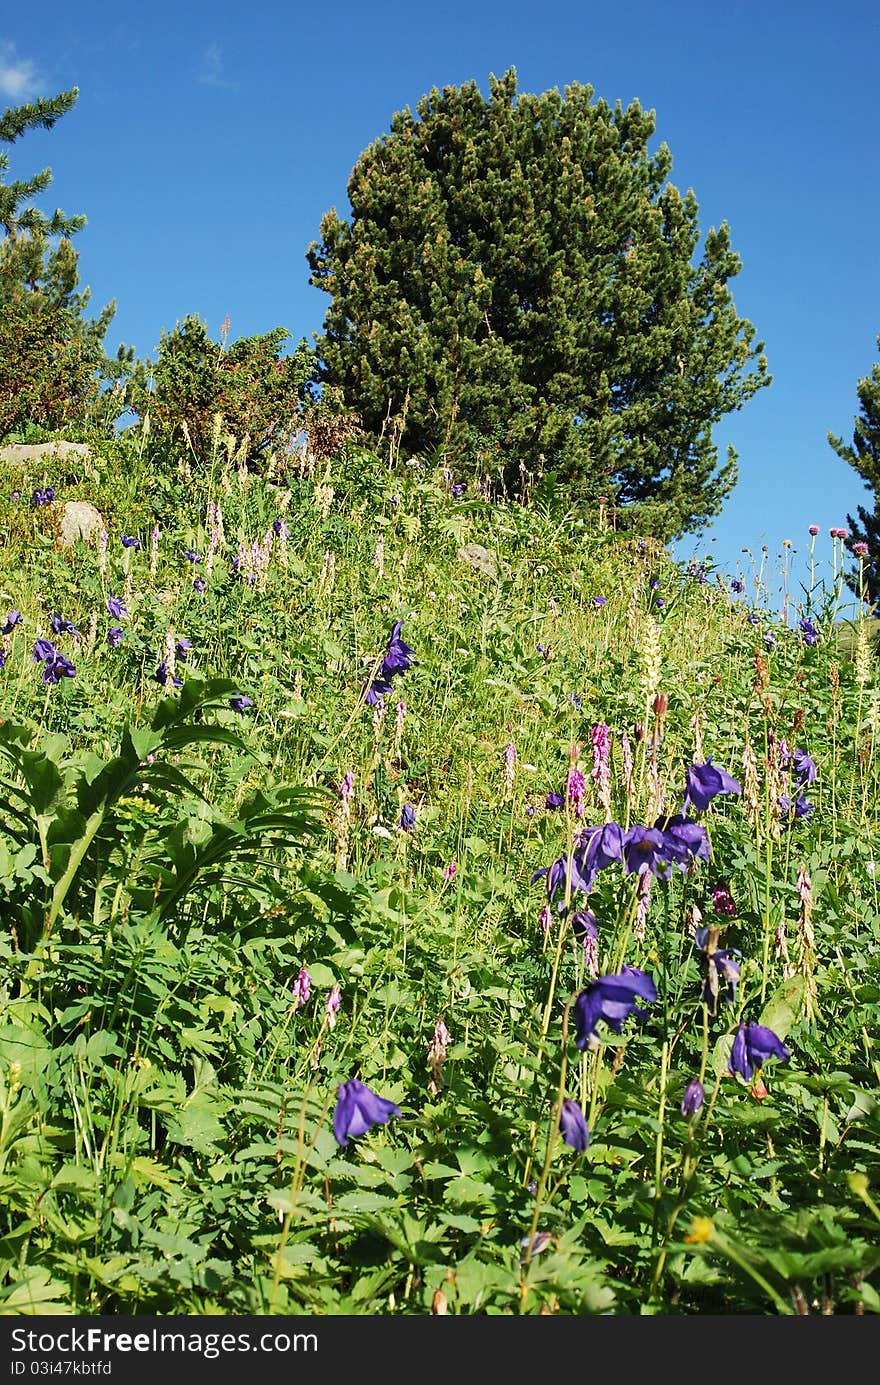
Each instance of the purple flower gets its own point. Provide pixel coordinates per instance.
(704, 782)
(722, 968)
(596, 848)
(302, 988)
(161, 676)
(685, 839)
(458, 488)
(61, 626)
(804, 767)
(752, 1046)
(752, 618)
(693, 1097)
(116, 607)
(240, 703)
(114, 636)
(407, 819)
(574, 1126)
(13, 618)
(398, 656)
(612, 998)
(736, 585)
(599, 600)
(191, 556)
(358, 1108)
(808, 630)
(130, 541)
(183, 647)
(2, 657)
(584, 924)
(44, 650)
(802, 806)
(280, 529)
(14, 495)
(199, 584)
(49, 494)
(57, 668)
(554, 800)
(646, 849)
(654, 584)
(770, 639)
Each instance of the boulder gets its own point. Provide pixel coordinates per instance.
(79, 520)
(42, 451)
(476, 556)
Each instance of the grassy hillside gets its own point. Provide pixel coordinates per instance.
(232, 885)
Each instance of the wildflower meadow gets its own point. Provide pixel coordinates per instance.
(415, 904)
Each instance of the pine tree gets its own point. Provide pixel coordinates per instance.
(52, 356)
(515, 289)
(864, 456)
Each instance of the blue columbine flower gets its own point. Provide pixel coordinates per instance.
(199, 584)
(57, 668)
(612, 998)
(808, 630)
(191, 556)
(183, 647)
(704, 782)
(358, 1108)
(752, 1046)
(693, 1097)
(458, 489)
(646, 849)
(280, 529)
(574, 1126)
(130, 541)
(686, 840)
(116, 607)
(161, 676)
(736, 585)
(554, 800)
(44, 651)
(114, 636)
(13, 618)
(240, 703)
(600, 600)
(397, 659)
(62, 626)
(584, 924)
(804, 767)
(722, 968)
(407, 819)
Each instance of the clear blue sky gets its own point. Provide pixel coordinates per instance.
(209, 138)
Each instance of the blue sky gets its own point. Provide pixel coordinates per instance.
(209, 138)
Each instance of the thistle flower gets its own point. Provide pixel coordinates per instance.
(358, 1109)
(573, 1126)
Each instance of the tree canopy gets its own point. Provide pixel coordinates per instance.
(52, 356)
(863, 454)
(515, 290)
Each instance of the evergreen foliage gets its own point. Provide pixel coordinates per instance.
(197, 385)
(52, 356)
(515, 290)
(864, 456)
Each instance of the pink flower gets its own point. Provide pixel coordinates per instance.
(302, 988)
(331, 1004)
(450, 870)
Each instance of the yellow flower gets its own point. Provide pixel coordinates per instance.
(701, 1230)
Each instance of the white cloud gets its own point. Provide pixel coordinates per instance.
(213, 69)
(19, 78)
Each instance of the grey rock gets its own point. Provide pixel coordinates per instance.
(476, 556)
(79, 520)
(40, 451)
